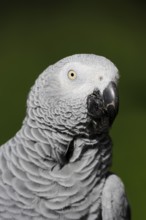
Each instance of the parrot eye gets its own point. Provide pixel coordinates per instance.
(72, 74)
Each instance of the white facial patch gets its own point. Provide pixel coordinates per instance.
(91, 75)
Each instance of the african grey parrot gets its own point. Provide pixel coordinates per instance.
(57, 165)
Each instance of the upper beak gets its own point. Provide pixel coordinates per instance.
(111, 100)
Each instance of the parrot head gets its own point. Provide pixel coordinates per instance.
(77, 96)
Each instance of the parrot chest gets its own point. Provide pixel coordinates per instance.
(78, 187)
(70, 192)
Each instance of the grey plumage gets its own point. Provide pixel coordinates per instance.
(57, 165)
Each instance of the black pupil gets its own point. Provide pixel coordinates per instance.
(72, 74)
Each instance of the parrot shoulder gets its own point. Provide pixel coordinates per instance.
(114, 201)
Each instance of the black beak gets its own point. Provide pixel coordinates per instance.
(104, 105)
(111, 100)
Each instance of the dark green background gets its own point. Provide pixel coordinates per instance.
(36, 34)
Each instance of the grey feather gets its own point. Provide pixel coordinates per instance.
(114, 202)
(57, 164)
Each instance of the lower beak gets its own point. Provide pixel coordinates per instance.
(104, 105)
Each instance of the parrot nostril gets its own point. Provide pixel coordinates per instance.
(100, 78)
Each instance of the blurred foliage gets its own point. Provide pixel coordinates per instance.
(36, 34)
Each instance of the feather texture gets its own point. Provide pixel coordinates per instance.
(56, 165)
